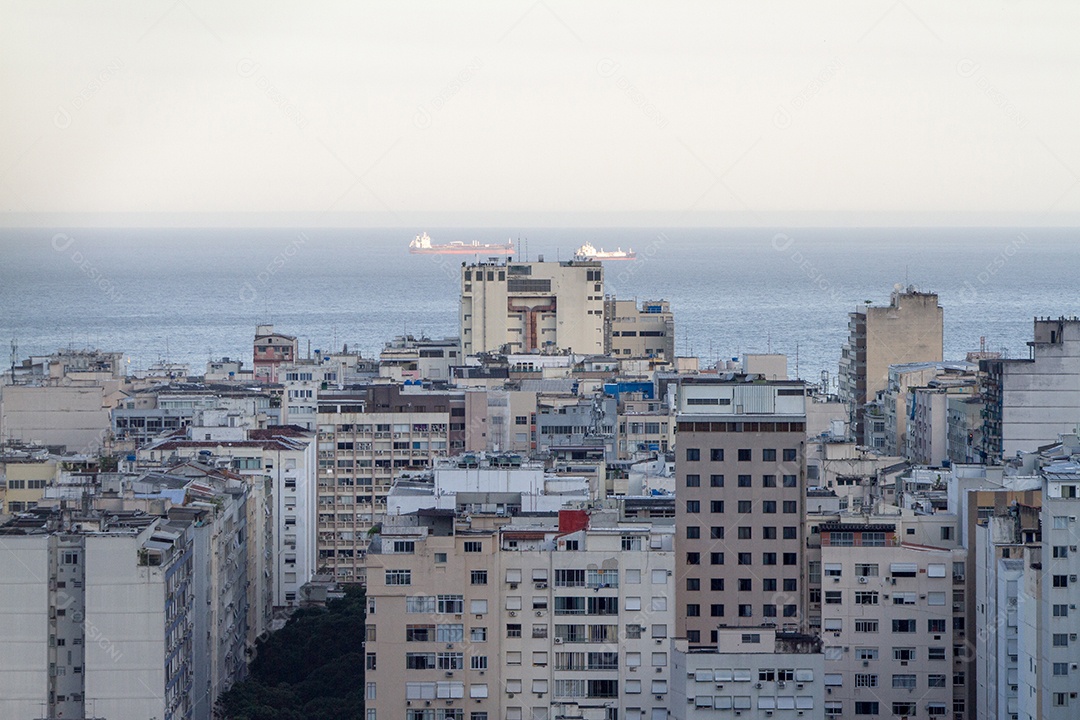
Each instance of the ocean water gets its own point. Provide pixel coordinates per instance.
(189, 295)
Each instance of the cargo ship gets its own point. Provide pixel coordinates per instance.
(421, 245)
(588, 252)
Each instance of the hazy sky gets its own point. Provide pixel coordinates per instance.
(392, 113)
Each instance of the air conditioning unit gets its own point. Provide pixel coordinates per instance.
(449, 673)
(541, 586)
(659, 697)
(513, 614)
(781, 684)
(1072, 578)
(757, 686)
(513, 586)
(836, 579)
(557, 641)
(862, 580)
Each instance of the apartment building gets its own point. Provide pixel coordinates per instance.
(500, 419)
(1030, 402)
(25, 471)
(366, 437)
(532, 307)
(98, 616)
(903, 380)
(499, 485)
(758, 671)
(891, 620)
(284, 460)
(740, 478)
(419, 358)
(271, 350)
(645, 426)
(964, 442)
(909, 329)
(542, 617)
(640, 331)
(928, 432)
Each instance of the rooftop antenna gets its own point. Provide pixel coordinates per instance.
(797, 376)
(14, 357)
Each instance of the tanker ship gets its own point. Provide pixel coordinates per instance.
(421, 245)
(588, 252)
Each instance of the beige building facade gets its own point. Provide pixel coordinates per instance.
(532, 307)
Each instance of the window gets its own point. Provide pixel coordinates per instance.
(768, 481)
(866, 626)
(833, 597)
(693, 532)
(833, 569)
(789, 455)
(478, 577)
(791, 585)
(716, 584)
(903, 626)
(1061, 610)
(399, 577)
(449, 633)
(744, 559)
(513, 630)
(768, 533)
(791, 481)
(745, 481)
(716, 481)
(936, 653)
(693, 454)
(746, 533)
(745, 455)
(693, 481)
(791, 559)
(768, 558)
(745, 507)
(1061, 581)
(716, 455)
(716, 506)
(633, 632)
(866, 569)
(716, 558)
(768, 455)
(716, 610)
(479, 662)
(716, 533)
(451, 604)
(863, 597)
(746, 611)
(692, 585)
(473, 546)
(935, 625)
(693, 506)
(935, 681)
(865, 680)
(693, 610)
(1061, 699)
(1061, 640)
(866, 653)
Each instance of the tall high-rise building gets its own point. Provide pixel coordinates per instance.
(909, 329)
(529, 307)
(367, 437)
(1029, 402)
(740, 473)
